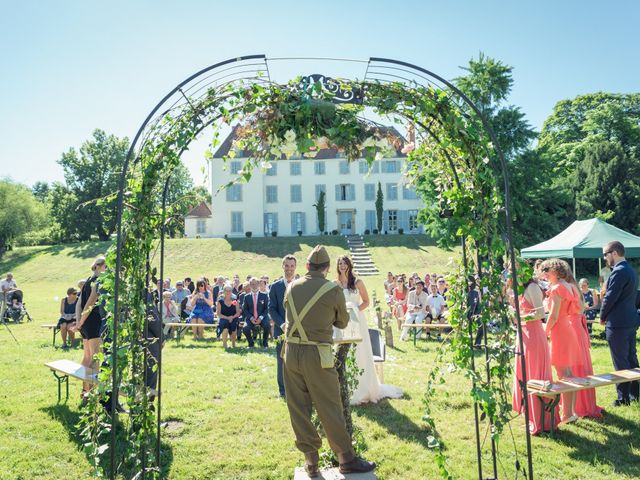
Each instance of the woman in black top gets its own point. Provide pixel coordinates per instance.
(68, 317)
(228, 312)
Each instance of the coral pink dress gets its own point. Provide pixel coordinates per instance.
(538, 367)
(565, 350)
(400, 296)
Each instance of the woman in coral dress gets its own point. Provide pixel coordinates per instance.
(565, 350)
(585, 399)
(536, 355)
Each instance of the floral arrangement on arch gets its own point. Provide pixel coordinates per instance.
(286, 121)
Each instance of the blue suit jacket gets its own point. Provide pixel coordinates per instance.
(619, 302)
(247, 306)
(276, 305)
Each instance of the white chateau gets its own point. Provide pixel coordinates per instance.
(282, 198)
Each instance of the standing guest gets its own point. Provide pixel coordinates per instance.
(170, 312)
(620, 316)
(399, 301)
(277, 312)
(6, 286)
(416, 308)
(255, 315)
(68, 317)
(603, 276)
(536, 356)
(166, 285)
(436, 305)
(591, 302)
(243, 289)
(228, 313)
(180, 293)
(201, 312)
(90, 319)
(585, 399)
(564, 306)
(188, 284)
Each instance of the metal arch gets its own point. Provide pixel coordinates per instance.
(234, 63)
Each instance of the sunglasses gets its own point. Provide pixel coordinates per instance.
(607, 253)
(545, 269)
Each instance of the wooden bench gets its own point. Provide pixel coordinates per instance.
(549, 395)
(378, 349)
(55, 328)
(416, 328)
(63, 369)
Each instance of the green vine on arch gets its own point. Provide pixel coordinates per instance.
(454, 158)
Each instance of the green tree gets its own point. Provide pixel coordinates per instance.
(321, 211)
(41, 191)
(92, 174)
(607, 180)
(20, 213)
(182, 195)
(379, 207)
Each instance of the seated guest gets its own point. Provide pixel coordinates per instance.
(217, 289)
(228, 313)
(412, 284)
(254, 313)
(180, 293)
(389, 283)
(436, 306)
(399, 301)
(591, 302)
(263, 286)
(170, 312)
(201, 312)
(416, 308)
(442, 287)
(68, 317)
(188, 284)
(167, 284)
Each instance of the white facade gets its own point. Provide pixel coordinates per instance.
(282, 199)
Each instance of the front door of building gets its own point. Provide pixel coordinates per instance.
(345, 222)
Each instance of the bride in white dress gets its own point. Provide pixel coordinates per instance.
(369, 387)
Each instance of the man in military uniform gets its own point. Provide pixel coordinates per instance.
(313, 306)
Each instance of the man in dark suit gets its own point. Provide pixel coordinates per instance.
(620, 316)
(277, 311)
(254, 313)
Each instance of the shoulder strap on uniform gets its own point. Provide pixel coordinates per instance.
(297, 318)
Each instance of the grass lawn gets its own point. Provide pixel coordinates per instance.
(230, 423)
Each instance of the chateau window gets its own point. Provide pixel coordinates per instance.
(234, 193)
(295, 168)
(272, 193)
(236, 222)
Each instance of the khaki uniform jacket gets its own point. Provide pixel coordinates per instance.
(329, 311)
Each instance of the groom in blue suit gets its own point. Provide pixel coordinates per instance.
(620, 316)
(255, 315)
(277, 311)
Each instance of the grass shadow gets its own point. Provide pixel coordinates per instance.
(284, 244)
(69, 419)
(394, 422)
(618, 451)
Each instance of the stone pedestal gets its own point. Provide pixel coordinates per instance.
(333, 474)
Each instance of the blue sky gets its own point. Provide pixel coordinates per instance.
(68, 67)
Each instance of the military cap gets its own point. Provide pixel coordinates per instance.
(318, 256)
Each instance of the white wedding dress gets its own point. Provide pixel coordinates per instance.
(369, 387)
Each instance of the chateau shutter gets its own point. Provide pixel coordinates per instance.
(352, 192)
(293, 223)
(403, 220)
(304, 223)
(385, 220)
(337, 193)
(275, 222)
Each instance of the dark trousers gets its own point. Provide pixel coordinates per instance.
(279, 345)
(622, 345)
(249, 329)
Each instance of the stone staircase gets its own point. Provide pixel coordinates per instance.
(363, 266)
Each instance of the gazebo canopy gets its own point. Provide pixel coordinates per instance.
(584, 239)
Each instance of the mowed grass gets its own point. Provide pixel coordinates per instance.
(231, 424)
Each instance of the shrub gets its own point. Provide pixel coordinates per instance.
(299, 233)
(274, 234)
(375, 231)
(367, 232)
(400, 231)
(226, 236)
(248, 234)
(326, 233)
(334, 232)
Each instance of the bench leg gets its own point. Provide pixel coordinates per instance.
(62, 379)
(551, 409)
(55, 332)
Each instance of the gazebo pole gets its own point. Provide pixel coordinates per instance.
(574, 268)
